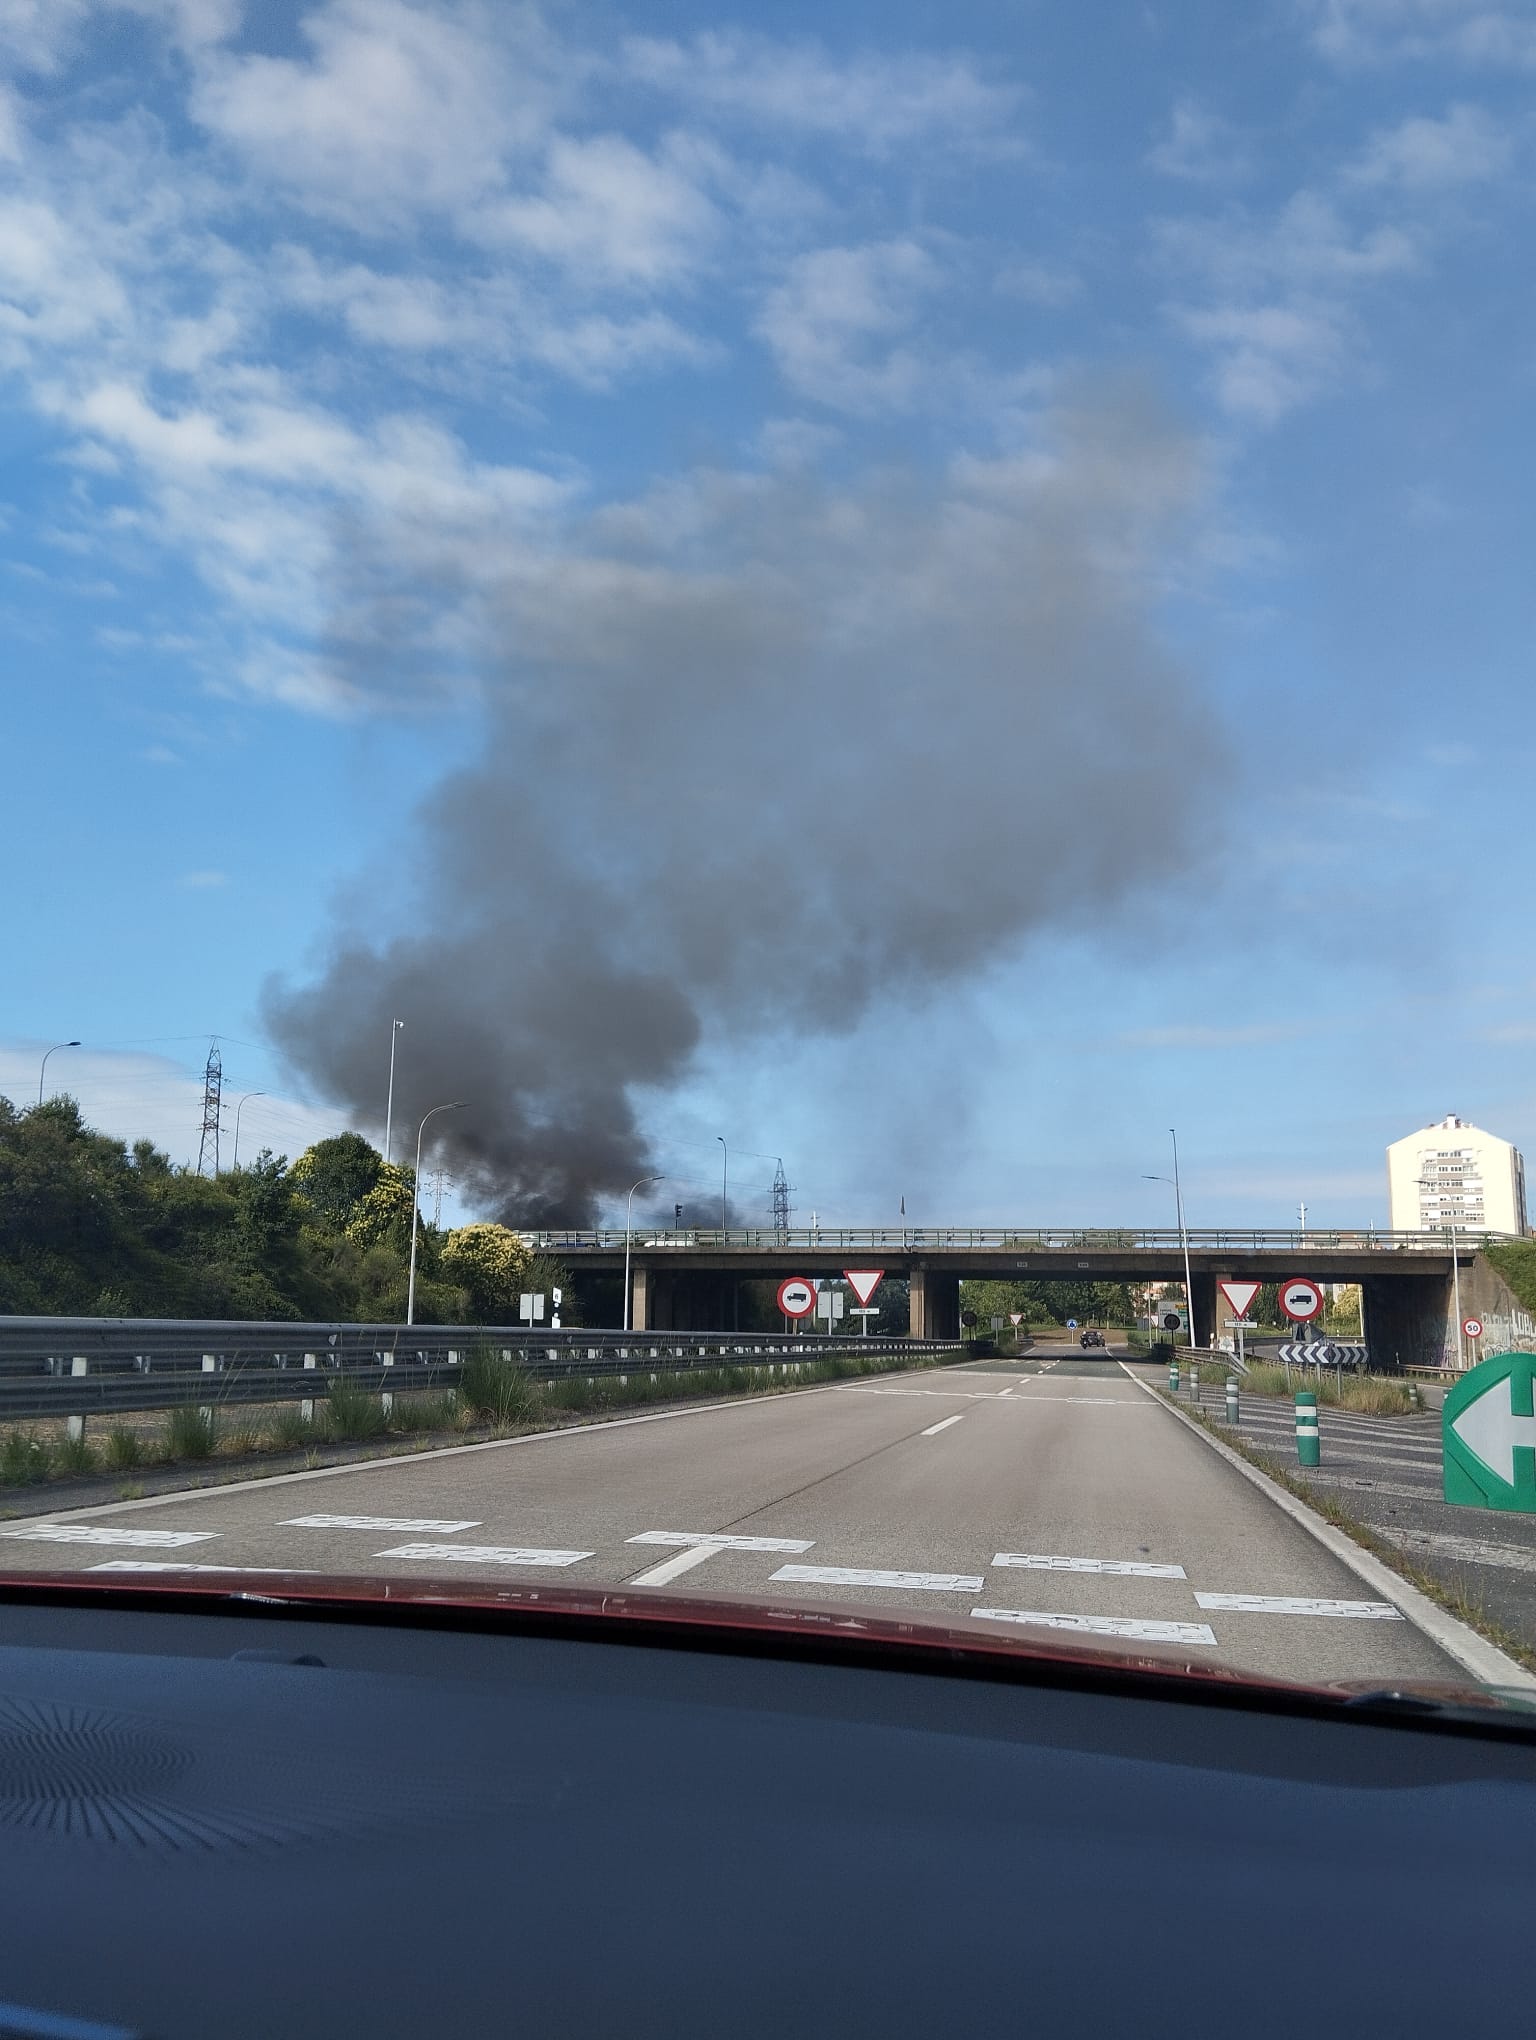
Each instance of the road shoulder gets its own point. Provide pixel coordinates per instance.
(1474, 1653)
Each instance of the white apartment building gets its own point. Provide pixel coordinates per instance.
(1452, 1174)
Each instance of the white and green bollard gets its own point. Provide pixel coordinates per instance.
(1309, 1450)
(1173, 1377)
(1231, 1398)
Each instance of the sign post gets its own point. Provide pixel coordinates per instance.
(1240, 1295)
(1488, 1435)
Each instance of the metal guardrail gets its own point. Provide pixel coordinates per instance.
(77, 1367)
(903, 1239)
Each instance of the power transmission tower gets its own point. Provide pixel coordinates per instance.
(437, 1197)
(213, 1106)
(780, 1206)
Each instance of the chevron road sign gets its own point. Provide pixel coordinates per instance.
(1488, 1435)
(1323, 1353)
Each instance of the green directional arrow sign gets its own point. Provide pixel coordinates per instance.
(1488, 1435)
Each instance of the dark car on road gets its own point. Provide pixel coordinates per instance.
(1091, 1339)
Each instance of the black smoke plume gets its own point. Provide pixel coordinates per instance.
(758, 752)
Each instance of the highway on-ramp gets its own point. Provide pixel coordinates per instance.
(1052, 1493)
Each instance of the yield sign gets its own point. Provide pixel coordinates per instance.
(1488, 1435)
(863, 1281)
(1015, 1317)
(1239, 1295)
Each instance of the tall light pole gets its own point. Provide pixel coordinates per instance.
(629, 1226)
(389, 1109)
(725, 1164)
(410, 1291)
(44, 1070)
(1178, 1205)
(238, 1110)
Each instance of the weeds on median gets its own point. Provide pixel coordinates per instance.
(191, 1433)
(75, 1455)
(351, 1413)
(23, 1459)
(501, 1390)
(125, 1449)
(1370, 1395)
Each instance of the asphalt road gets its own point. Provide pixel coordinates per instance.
(1052, 1491)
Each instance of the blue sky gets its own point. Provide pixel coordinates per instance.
(341, 343)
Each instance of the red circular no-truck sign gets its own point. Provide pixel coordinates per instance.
(797, 1297)
(1301, 1300)
(1473, 1327)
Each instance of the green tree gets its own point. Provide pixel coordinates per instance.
(491, 1265)
(334, 1176)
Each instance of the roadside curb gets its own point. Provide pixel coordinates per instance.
(1474, 1653)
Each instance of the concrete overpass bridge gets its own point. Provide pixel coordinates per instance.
(689, 1280)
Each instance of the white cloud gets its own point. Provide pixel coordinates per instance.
(1276, 303)
(1200, 146)
(1470, 32)
(606, 210)
(874, 101)
(202, 881)
(132, 1095)
(399, 109)
(1467, 147)
(838, 322)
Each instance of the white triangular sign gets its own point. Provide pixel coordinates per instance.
(1239, 1295)
(1015, 1317)
(863, 1281)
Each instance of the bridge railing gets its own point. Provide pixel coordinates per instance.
(80, 1366)
(1059, 1239)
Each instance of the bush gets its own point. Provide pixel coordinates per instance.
(191, 1433)
(125, 1448)
(353, 1413)
(75, 1455)
(426, 1413)
(501, 1390)
(23, 1459)
(290, 1428)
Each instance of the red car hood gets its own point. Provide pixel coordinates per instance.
(677, 1618)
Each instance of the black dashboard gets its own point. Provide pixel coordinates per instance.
(258, 1823)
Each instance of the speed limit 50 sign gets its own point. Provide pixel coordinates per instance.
(1300, 1299)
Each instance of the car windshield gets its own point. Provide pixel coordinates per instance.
(738, 865)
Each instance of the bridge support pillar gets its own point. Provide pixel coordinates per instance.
(1202, 1311)
(933, 1305)
(1410, 1321)
(640, 1298)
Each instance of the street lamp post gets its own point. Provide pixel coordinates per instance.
(725, 1164)
(389, 1109)
(1178, 1205)
(410, 1291)
(629, 1226)
(238, 1110)
(44, 1070)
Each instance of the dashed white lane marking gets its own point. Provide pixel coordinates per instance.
(88, 1533)
(944, 1423)
(722, 1542)
(486, 1554)
(1300, 1604)
(170, 1565)
(1126, 1568)
(1105, 1625)
(871, 1576)
(672, 1568)
(379, 1523)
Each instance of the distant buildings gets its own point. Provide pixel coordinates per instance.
(1452, 1174)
